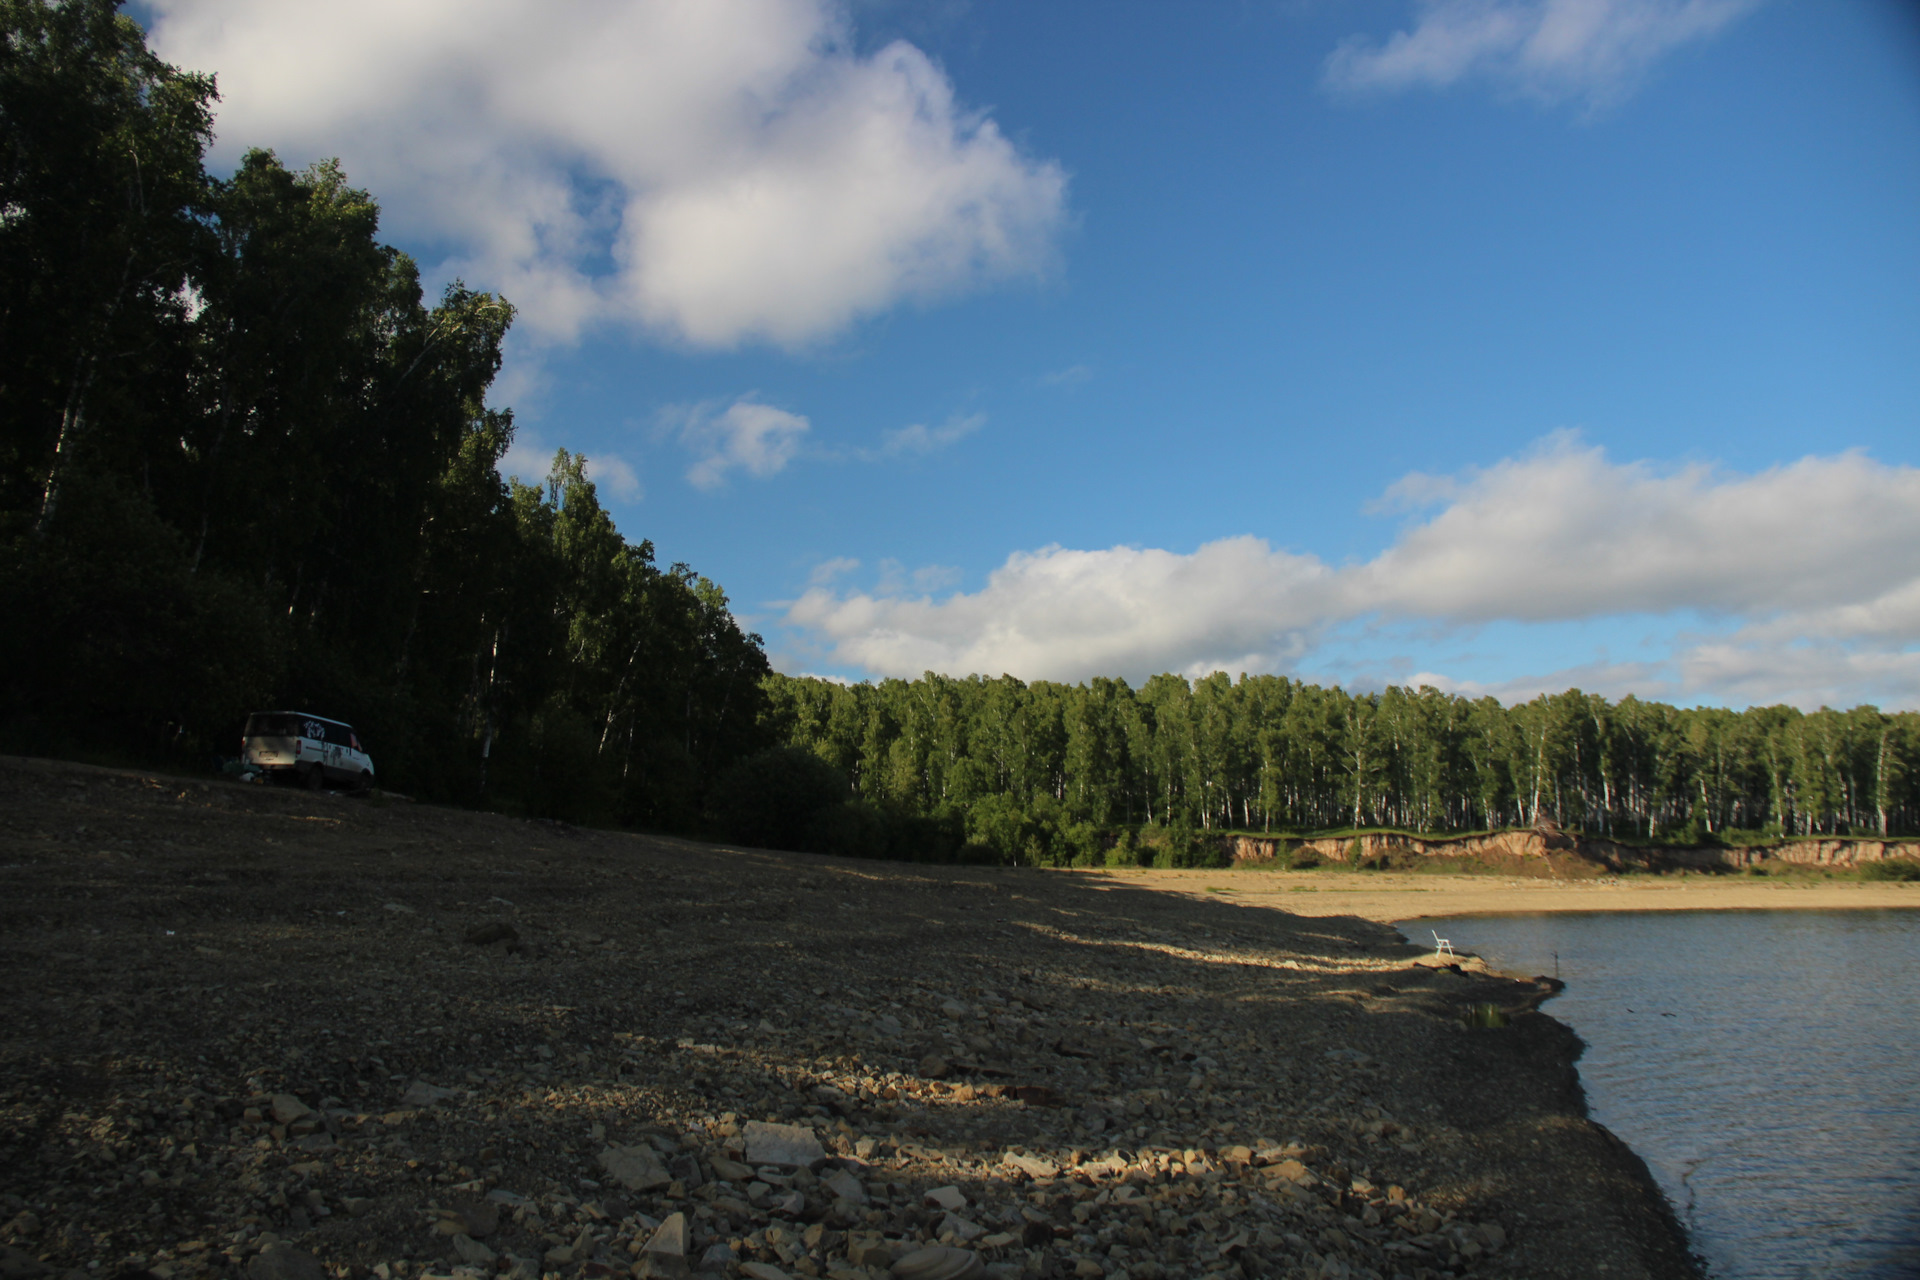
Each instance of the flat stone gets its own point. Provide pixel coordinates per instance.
(482, 1217)
(939, 1262)
(670, 1237)
(961, 1228)
(284, 1262)
(472, 1251)
(934, 1067)
(287, 1109)
(1033, 1166)
(952, 1199)
(635, 1168)
(789, 1146)
(845, 1186)
(763, 1271)
(422, 1094)
(869, 1249)
(729, 1170)
(1292, 1171)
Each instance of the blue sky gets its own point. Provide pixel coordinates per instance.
(1501, 345)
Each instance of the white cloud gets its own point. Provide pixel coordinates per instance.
(1551, 49)
(716, 171)
(919, 438)
(1813, 568)
(1564, 533)
(1071, 376)
(1611, 679)
(746, 435)
(1062, 614)
(827, 570)
(615, 474)
(527, 459)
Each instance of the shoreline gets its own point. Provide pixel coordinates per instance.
(361, 1018)
(1386, 897)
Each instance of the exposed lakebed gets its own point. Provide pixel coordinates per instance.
(1761, 1063)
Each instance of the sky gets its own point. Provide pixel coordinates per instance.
(1504, 346)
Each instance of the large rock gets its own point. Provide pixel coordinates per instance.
(789, 1146)
(635, 1168)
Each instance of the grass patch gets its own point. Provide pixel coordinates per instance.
(1891, 869)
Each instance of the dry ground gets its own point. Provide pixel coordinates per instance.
(242, 1025)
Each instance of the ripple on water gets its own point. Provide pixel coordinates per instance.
(1763, 1063)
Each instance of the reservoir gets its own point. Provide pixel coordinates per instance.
(1765, 1065)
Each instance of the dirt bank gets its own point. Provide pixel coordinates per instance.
(243, 1030)
(1567, 853)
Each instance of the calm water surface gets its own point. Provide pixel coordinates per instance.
(1765, 1064)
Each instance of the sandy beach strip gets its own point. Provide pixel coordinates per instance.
(1389, 896)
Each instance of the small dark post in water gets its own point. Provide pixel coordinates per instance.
(1556, 966)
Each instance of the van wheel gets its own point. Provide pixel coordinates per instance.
(315, 778)
(366, 782)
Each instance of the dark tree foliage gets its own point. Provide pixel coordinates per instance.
(1071, 773)
(243, 465)
(772, 798)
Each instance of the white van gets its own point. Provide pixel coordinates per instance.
(313, 749)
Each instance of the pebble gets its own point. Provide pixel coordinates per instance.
(789, 1146)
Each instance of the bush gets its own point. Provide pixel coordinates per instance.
(1126, 850)
(851, 829)
(1891, 869)
(770, 799)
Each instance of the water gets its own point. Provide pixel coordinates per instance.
(1765, 1065)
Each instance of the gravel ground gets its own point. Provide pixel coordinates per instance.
(254, 1030)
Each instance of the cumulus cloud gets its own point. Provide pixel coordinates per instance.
(1551, 49)
(1806, 575)
(717, 172)
(1063, 614)
(1564, 533)
(746, 435)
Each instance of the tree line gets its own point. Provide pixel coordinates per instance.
(244, 464)
(1049, 772)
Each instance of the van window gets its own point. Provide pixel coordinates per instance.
(272, 726)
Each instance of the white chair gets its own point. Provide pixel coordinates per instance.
(1442, 947)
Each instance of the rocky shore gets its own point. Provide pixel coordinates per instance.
(297, 1037)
